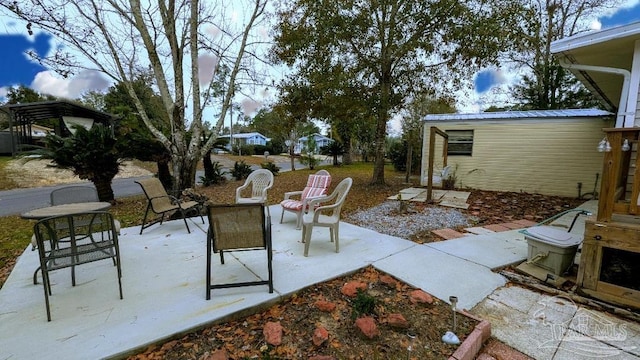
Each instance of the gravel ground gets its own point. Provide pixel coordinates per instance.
(387, 219)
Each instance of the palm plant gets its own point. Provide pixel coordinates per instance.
(90, 154)
(334, 149)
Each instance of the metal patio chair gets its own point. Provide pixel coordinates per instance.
(68, 246)
(238, 227)
(161, 203)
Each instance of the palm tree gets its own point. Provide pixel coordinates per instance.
(90, 154)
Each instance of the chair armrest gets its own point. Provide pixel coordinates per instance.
(289, 194)
(239, 190)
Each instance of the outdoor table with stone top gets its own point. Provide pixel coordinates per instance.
(65, 209)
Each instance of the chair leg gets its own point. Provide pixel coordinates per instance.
(298, 220)
(307, 238)
(282, 215)
(336, 237)
(47, 290)
(184, 217)
(144, 219)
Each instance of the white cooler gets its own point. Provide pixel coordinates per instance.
(551, 248)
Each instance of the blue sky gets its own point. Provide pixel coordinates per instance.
(487, 79)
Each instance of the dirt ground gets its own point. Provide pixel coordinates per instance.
(36, 173)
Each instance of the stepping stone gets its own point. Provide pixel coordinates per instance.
(512, 225)
(497, 227)
(447, 233)
(479, 230)
(525, 222)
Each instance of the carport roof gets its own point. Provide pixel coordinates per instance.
(44, 110)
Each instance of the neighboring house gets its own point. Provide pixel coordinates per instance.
(321, 141)
(549, 152)
(252, 138)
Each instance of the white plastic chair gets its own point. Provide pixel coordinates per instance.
(325, 211)
(260, 181)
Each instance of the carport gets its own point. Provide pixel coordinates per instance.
(23, 116)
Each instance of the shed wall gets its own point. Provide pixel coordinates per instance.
(549, 157)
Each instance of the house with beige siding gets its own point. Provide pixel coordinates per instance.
(551, 152)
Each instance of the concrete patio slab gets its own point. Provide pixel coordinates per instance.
(164, 288)
(442, 275)
(494, 250)
(164, 291)
(479, 230)
(555, 328)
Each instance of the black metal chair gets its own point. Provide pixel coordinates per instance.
(69, 246)
(238, 227)
(73, 194)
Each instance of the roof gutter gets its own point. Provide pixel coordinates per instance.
(624, 118)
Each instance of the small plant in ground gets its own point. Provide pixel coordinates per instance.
(215, 175)
(271, 167)
(240, 170)
(364, 304)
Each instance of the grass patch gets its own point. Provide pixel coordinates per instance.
(5, 182)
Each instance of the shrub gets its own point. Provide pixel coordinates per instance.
(240, 170)
(215, 176)
(271, 167)
(398, 156)
(364, 304)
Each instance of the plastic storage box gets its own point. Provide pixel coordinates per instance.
(551, 248)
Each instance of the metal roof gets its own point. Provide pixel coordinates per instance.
(23, 116)
(44, 110)
(612, 47)
(510, 115)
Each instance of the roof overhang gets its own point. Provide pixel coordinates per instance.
(23, 116)
(612, 47)
(45, 110)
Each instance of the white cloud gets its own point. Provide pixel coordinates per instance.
(206, 65)
(3, 92)
(48, 82)
(249, 106)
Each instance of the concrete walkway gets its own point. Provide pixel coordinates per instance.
(164, 291)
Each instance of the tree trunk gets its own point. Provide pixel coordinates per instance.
(409, 162)
(208, 165)
(184, 173)
(381, 121)
(105, 192)
(346, 156)
(291, 157)
(164, 175)
(378, 165)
